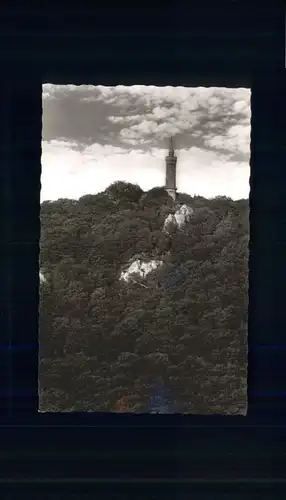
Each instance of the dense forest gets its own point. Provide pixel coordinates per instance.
(104, 340)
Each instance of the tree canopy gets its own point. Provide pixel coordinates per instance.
(103, 341)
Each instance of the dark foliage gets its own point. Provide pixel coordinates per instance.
(102, 339)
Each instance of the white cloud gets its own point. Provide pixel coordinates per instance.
(175, 109)
(189, 98)
(208, 174)
(149, 128)
(216, 119)
(242, 106)
(236, 140)
(51, 91)
(70, 173)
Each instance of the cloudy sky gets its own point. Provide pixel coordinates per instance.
(95, 135)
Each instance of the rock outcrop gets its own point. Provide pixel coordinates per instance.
(179, 218)
(42, 277)
(140, 267)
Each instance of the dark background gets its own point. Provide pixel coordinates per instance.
(230, 44)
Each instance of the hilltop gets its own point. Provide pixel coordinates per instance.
(103, 337)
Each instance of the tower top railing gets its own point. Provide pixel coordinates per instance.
(171, 148)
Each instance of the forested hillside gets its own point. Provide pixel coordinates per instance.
(103, 339)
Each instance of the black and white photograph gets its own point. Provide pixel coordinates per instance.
(143, 271)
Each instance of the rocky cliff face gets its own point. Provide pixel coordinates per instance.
(42, 277)
(179, 218)
(140, 264)
(140, 267)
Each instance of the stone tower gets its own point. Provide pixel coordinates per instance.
(171, 162)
